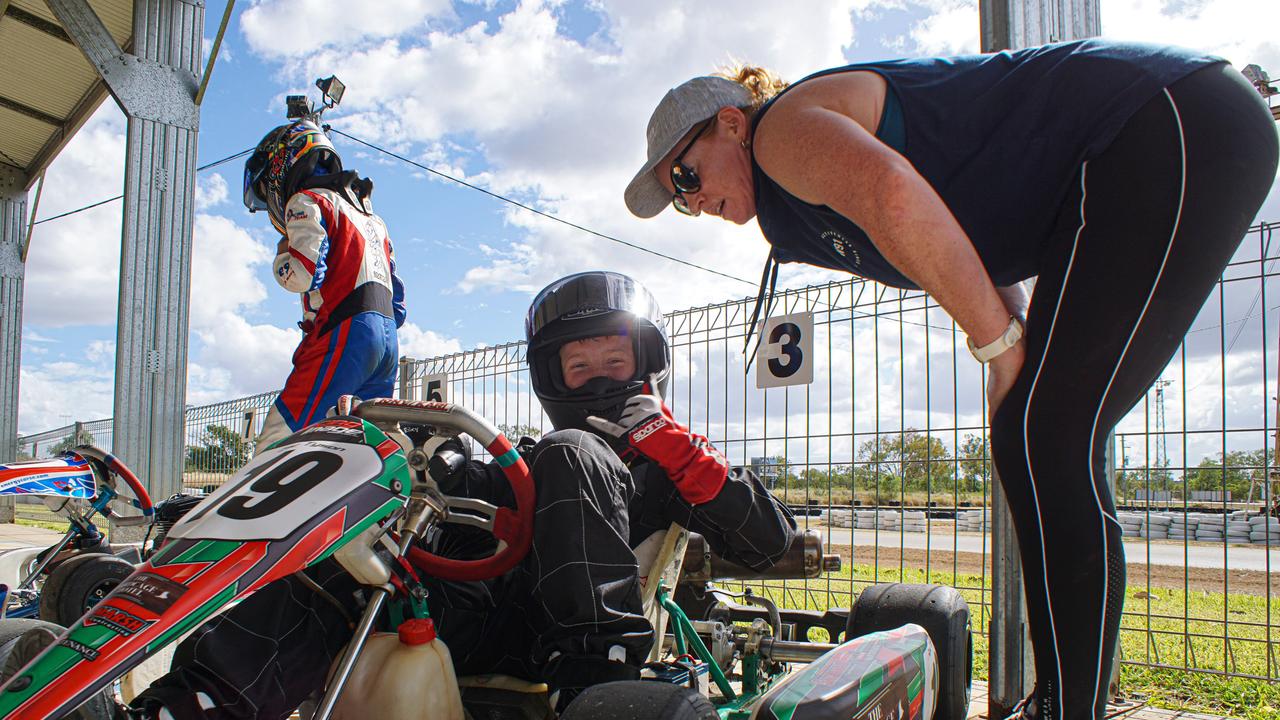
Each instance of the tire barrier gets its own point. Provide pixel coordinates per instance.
(1239, 527)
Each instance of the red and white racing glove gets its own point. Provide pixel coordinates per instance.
(696, 467)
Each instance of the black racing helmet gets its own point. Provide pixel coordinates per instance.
(592, 304)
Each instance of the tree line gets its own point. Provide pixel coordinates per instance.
(888, 464)
(914, 462)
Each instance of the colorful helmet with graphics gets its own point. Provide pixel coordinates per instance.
(287, 155)
(592, 304)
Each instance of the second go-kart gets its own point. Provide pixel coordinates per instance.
(60, 582)
(356, 488)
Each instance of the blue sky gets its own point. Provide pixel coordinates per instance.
(542, 101)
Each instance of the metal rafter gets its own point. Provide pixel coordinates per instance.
(30, 112)
(143, 86)
(35, 21)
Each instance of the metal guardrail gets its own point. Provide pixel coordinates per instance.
(894, 424)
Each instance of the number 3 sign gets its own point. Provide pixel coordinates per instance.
(786, 351)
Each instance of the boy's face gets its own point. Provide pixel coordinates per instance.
(608, 356)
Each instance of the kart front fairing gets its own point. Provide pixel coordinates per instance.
(68, 475)
(294, 505)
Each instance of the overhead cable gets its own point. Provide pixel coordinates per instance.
(91, 206)
(534, 210)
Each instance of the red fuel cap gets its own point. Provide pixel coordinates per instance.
(417, 631)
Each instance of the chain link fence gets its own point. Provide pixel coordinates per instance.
(885, 453)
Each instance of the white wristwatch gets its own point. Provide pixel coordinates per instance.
(1007, 339)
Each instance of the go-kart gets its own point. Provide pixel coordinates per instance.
(356, 487)
(60, 582)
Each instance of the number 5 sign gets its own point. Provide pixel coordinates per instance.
(436, 387)
(786, 351)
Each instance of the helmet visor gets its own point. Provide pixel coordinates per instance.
(253, 169)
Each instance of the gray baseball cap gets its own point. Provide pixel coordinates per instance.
(681, 108)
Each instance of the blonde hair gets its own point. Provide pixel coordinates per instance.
(762, 83)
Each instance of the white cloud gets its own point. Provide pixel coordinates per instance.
(98, 351)
(239, 358)
(1243, 31)
(418, 343)
(224, 51)
(234, 356)
(74, 262)
(951, 28)
(224, 257)
(58, 393)
(211, 190)
(276, 28)
(559, 123)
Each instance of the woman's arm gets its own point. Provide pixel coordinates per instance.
(811, 144)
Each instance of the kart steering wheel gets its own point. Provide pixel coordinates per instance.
(117, 467)
(512, 527)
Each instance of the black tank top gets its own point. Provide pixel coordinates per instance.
(999, 137)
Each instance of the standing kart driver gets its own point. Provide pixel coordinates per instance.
(616, 470)
(336, 253)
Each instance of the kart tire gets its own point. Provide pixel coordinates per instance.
(72, 550)
(11, 628)
(98, 707)
(639, 700)
(944, 614)
(78, 584)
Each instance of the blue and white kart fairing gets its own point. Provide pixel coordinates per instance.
(77, 485)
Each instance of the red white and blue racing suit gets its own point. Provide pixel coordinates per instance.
(339, 258)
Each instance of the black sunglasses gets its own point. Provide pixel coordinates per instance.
(685, 179)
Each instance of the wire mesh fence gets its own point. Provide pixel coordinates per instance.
(885, 453)
(219, 439)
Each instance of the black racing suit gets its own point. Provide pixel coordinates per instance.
(573, 603)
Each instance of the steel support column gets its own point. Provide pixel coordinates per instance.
(155, 85)
(1013, 24)
(13, 231)
(1009, 25)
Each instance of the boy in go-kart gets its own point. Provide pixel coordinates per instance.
(617, 469)
(335, 252)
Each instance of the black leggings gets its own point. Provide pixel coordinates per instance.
(1152, 223)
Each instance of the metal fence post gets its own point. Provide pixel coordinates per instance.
(13, 228)
(406, 362)
(1011, 661)
(1012, 24)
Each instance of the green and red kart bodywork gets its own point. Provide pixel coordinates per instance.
(291, 507)
(344, 485)
(887, 675)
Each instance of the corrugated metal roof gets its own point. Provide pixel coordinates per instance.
(48, 89)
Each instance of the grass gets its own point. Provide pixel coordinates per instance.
(1160, 627)
(39, 516)
(60, 527)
